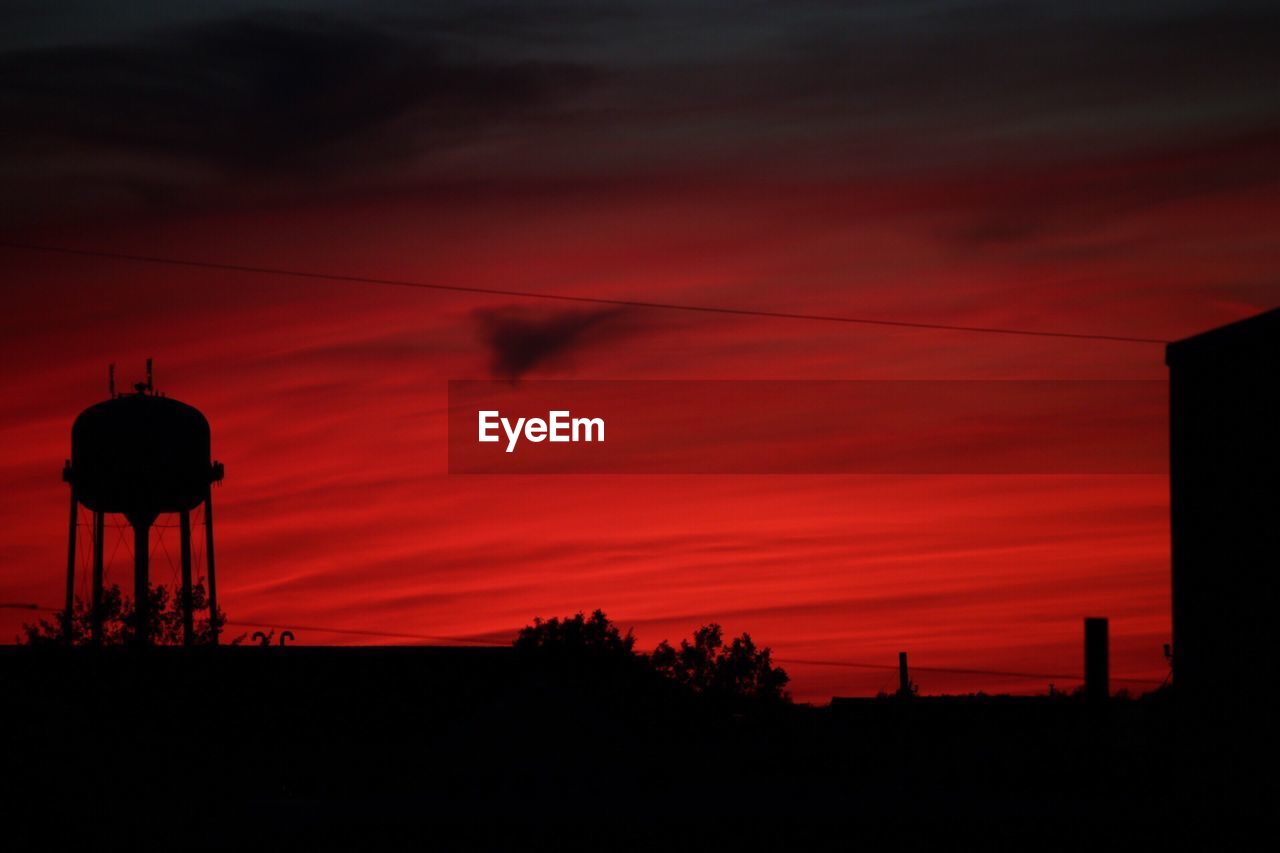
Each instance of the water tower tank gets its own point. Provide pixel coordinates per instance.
(140, 455)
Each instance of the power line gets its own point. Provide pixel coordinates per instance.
(358, 632)
(400, 635)
(592, 300)
(404, 635)
(961, 671)
(476, 641)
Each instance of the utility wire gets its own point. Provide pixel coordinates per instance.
(471, 641)
(592, 300)
(403, 635)
(947, 670)
(365, 633)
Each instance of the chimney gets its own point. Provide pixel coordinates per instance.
(1097, 678)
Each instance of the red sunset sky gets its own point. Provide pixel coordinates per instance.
(1100, 172)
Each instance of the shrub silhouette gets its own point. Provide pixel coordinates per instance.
(119, 622)
(737, 672)
(707, 666)
(578, 636)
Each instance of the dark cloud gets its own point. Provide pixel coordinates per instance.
(1006, 209)
(869, 88)
(385, 94)
(264, 96)
(522, 339)
(268, 90)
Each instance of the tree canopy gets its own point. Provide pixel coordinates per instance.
(706, 666)
(711, 667)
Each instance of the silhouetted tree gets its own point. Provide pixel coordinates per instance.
(737, 671)
(579, 636)
(707, 666)
(119, 623)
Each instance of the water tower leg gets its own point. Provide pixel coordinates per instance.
(188, 620)
(98, 531)
(68, 613)
(213, 584)
(141, 581)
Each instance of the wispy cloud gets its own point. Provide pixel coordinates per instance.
(523, 339)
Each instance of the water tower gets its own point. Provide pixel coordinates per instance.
(139, 455)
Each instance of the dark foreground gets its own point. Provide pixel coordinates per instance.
(209, 748)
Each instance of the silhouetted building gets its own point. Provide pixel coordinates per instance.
(1224, 401)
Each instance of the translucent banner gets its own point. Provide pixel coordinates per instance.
(808, 427)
